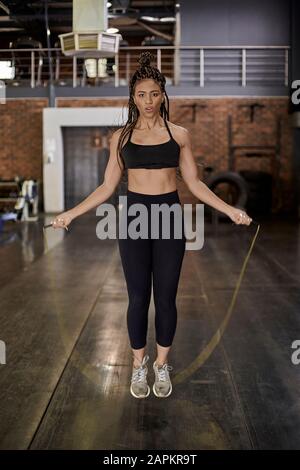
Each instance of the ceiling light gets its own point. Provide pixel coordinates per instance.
(112, 30)
(149, 18)
(168, 19)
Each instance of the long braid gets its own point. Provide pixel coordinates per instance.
(144, 71)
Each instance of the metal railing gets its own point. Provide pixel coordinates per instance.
(186, 65)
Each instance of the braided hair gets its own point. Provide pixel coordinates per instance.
(144, 71)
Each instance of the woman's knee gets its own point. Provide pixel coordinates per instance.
(139, 300)
(166, 302)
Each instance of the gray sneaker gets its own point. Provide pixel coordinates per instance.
(162, 386)
(139, 387)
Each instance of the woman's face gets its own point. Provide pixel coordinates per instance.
(148, 97)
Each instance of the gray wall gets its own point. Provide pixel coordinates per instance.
(235, 22)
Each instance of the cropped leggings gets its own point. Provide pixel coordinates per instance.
(152, 259)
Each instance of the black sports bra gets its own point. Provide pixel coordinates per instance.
(165, 155)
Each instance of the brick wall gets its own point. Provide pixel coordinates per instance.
(21, 138)
(21, 134)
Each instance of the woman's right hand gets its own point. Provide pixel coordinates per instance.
(238, 216)
(63, 220)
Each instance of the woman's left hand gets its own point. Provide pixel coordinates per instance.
(238, 216)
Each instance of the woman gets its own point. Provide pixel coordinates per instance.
(150, 148)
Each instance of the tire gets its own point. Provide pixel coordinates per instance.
(237, 182)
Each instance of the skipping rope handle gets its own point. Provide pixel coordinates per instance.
(252, 222)
(50, 225)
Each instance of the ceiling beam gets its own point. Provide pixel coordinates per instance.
(4, 7)
(54, 5)
(151, 3)
(155, 31)
(41, 16)
(8, 30)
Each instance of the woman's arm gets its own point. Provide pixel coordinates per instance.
(112, 176)
(200, 190)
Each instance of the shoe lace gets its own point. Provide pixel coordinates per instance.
(139, 374)
(163, 372)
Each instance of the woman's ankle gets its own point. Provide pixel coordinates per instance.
(160, 363)
(137, 362)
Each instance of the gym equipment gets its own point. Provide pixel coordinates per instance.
(194, 107)
(261, 151)
(252, 108)
(50, 225)
(22, 65)
(27, 203)
(238, 190)
(256, 191)
(8, 196)
(18, 200)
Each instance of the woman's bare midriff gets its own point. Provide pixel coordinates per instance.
(152, 181)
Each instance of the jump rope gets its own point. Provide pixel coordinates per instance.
(215, 339)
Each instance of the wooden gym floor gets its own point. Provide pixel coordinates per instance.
(65, 384)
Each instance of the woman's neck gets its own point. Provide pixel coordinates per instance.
(156, 122)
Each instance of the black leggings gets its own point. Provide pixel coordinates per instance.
(162, 258)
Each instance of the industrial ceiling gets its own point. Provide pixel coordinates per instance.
(135, 19)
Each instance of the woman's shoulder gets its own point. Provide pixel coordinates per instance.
(179, 133)
(117, 133)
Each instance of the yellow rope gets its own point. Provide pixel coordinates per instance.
(211, 345)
